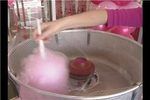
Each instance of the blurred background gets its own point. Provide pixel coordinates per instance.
(22, 14)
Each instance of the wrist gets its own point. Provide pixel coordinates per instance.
(62, 23)
(67, 22)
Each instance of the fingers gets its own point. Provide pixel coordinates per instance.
(45, 35)
(44, 26)
(35, 34)
(48, 30)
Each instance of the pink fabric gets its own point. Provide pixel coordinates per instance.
(10, 2)
(125, 17)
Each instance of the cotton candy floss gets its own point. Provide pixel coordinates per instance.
(48, 74)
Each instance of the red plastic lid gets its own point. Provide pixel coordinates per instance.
(81, 67)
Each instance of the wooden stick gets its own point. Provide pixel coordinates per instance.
(41, 43)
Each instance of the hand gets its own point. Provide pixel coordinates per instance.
(48, 29)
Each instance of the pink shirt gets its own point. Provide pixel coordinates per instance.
(125, 17)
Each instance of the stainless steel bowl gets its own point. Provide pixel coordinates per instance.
(118, 63)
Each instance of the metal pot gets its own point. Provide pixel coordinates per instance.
(118, 63)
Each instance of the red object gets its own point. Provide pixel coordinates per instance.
(81, 67)
(96, 2)
(135, 34)
(122, 2)
(101, 28)
(123, 30)
(26, 36)
(10, 3)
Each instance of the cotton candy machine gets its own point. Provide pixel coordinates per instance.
(117, 61)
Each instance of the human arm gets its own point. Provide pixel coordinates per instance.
(123, 17)
(86, 19)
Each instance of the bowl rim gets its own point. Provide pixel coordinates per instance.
(124, 91)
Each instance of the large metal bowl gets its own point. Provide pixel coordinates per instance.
(118, 62)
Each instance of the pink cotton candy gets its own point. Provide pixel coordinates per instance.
(49, 74)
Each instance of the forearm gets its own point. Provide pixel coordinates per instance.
(86, 19)
(123, 17)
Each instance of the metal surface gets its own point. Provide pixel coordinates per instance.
(118, 62)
